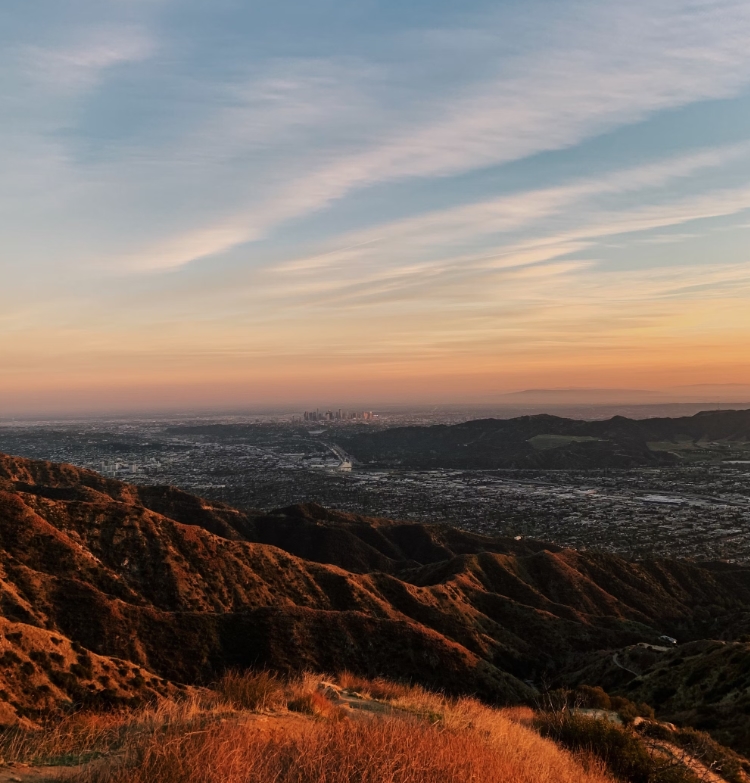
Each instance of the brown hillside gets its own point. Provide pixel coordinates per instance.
(42, 673)
(704, 684)
(185, 588)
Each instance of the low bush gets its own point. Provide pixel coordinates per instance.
(620, 748)
(250, 690)
(593, 697)
(316, 705)
(588, 697)
(377, 688)
(701, 746)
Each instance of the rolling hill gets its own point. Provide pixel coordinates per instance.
(546, 441)
(109, 592)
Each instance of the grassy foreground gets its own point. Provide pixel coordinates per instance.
(257, 728)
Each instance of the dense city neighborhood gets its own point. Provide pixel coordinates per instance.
(698, 510)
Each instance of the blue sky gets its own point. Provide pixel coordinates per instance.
(214, 202)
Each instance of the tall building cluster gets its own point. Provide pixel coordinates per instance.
(338, 415)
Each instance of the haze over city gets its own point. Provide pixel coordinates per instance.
(364, 203)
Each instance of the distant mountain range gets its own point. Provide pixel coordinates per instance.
(110, 592)
(545, 441)
(704, 392)
(582, 396)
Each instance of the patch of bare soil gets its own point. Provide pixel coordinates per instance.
(684, 759)
(21, 773)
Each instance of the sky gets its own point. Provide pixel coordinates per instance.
(367, 201)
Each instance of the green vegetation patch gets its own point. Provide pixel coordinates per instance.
(703, 450)
(673, 445)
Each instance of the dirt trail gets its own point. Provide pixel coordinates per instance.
(290, 723)
(698, 768)
(22, 773)
(353, 702)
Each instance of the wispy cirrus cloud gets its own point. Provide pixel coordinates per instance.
(263, 174)
(562, 220)
(80, 65)
(303, 134)
(472, 220)
(608, 66)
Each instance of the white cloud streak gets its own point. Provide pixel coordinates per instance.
(81, 65)
(294, 140)
(578, 206)
(285, 138)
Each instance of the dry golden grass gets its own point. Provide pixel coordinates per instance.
(86, 735)
(523, 715)
(317, 705)
(255, 691)
(377, 688)
(385, 750)
(214, 737)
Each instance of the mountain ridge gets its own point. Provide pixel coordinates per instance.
(185, 597)
(546, 441)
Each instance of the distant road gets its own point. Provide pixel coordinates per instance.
(624, 668)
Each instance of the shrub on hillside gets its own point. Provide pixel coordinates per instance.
(317, 705)
(716, 757)
(378, 687)
(620, 748)
(251, 690)
(595, 698)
